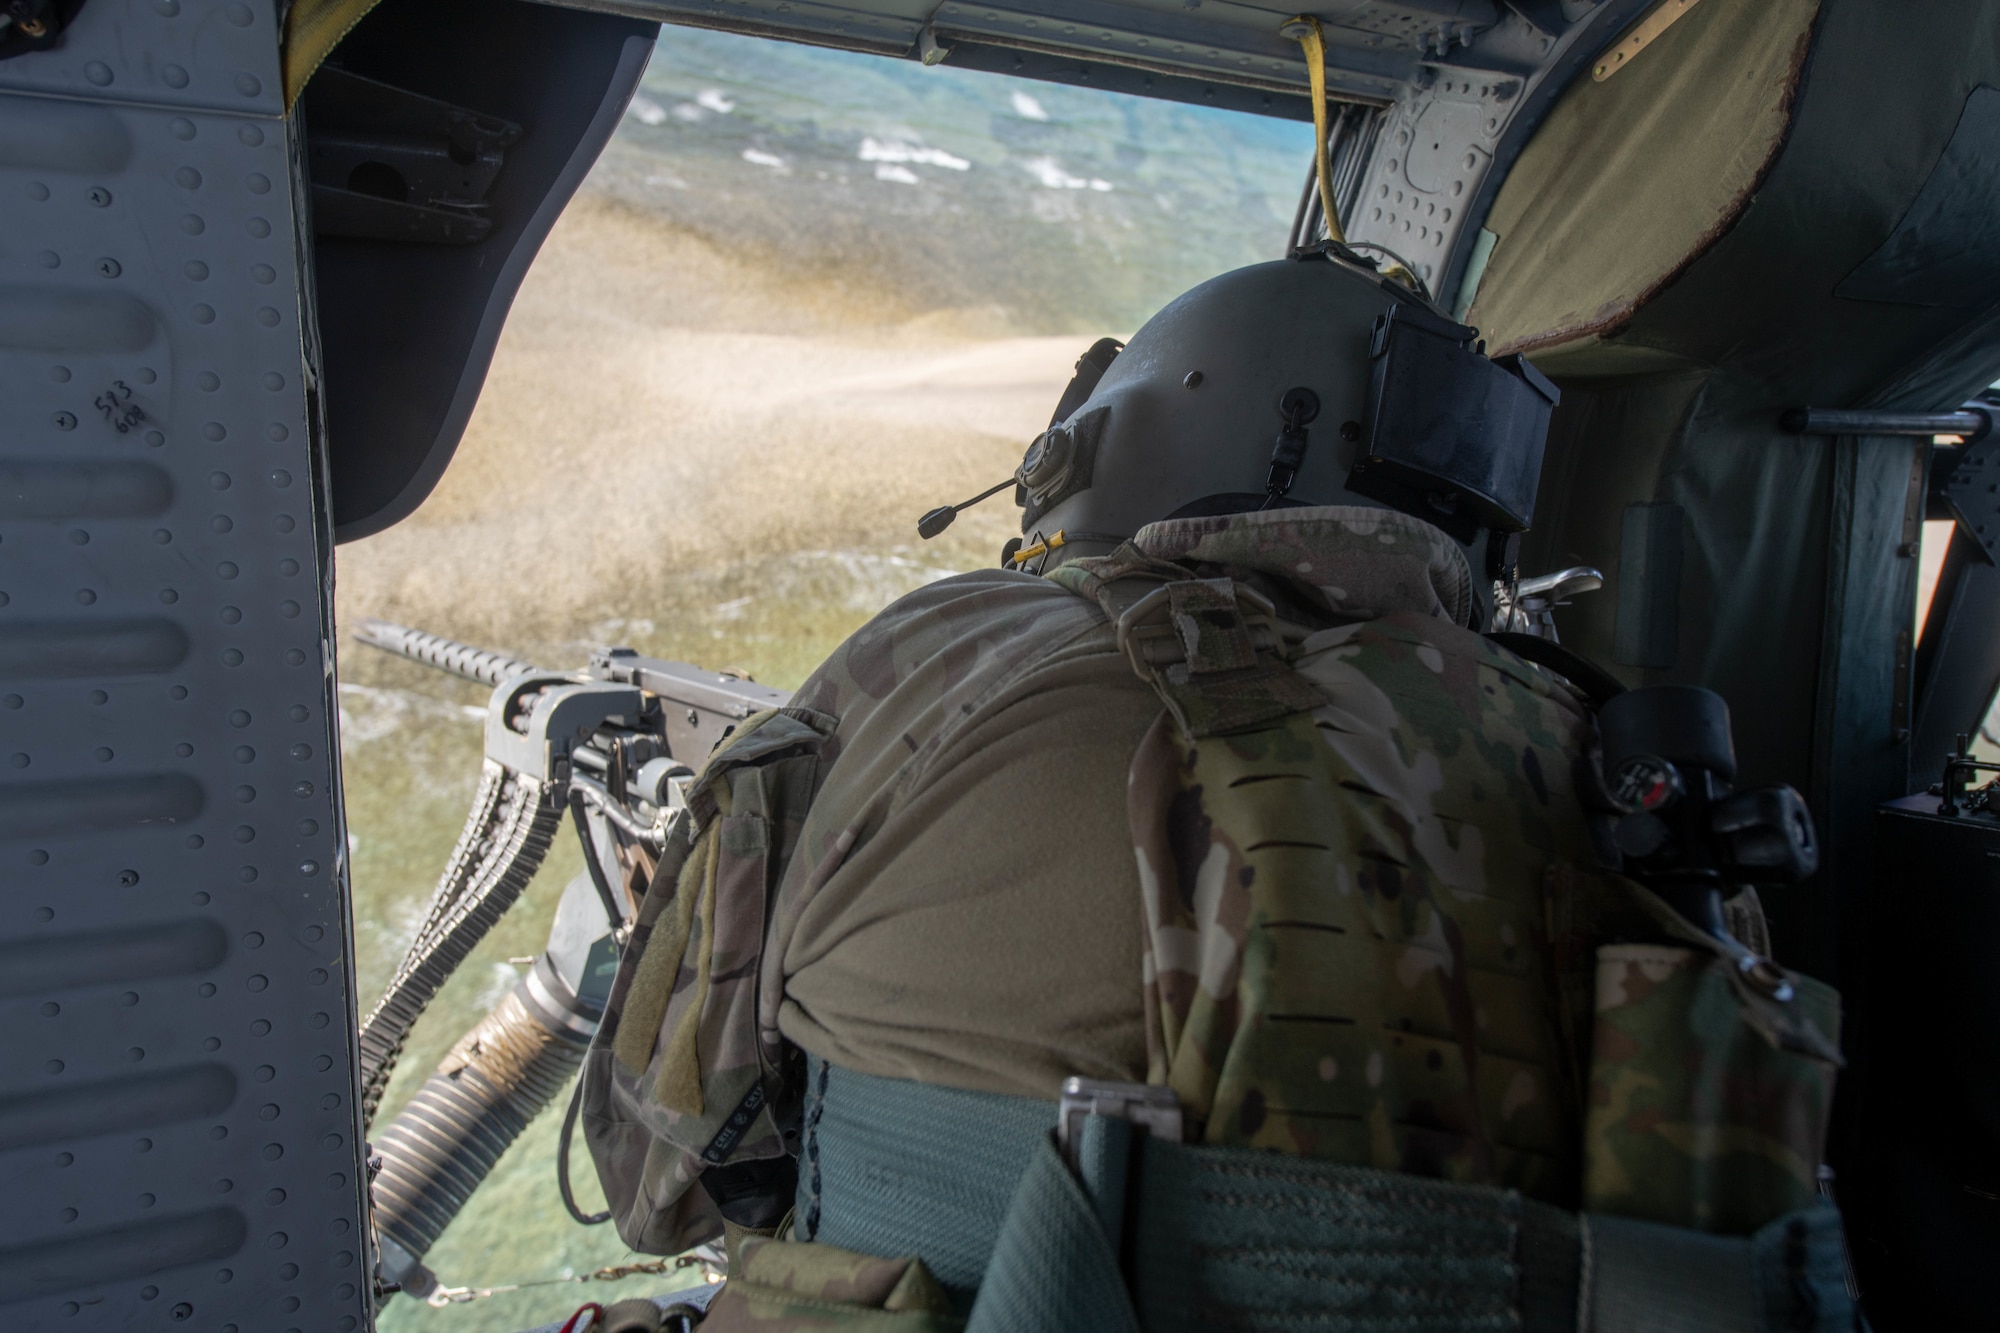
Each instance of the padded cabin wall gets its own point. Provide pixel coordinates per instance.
(1606, 443)
(1790, 594)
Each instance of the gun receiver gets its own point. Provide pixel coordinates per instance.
(697, 706)
(613, 746)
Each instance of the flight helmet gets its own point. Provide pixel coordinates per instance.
(1304, 381)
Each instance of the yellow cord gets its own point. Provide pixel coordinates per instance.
(1305, 30)
(1023, 556)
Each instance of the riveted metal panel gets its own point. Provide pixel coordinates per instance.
(177, 1120)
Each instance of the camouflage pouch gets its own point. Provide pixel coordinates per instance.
(680, 1077)
(788, 1287)
(1697, 1117)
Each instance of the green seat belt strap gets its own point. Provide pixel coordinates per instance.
(1260, 1241)
(891, 1168)
(1055, 1265)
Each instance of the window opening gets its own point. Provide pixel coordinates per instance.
(803, 295)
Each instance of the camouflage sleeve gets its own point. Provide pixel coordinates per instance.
(679, 1078)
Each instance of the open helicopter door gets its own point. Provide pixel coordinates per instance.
(178, 1123)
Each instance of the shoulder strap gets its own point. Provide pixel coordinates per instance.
(1597, 684)
(1210, 648)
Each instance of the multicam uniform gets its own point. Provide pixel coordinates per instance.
(1359, 925)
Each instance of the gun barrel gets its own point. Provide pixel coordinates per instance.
(434, 650)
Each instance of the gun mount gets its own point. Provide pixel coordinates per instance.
(612, 746)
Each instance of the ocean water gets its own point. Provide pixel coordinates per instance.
(1068, 209)
(974, 203)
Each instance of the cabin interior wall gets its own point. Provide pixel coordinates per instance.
(1607, 440)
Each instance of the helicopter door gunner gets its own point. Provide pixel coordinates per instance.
(1216, 818)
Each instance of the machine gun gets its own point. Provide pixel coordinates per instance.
(612, 747)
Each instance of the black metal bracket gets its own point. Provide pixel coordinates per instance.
(1965, 486)
(1959, 770)
(1964, 478)
(392, 165)
(33, 25)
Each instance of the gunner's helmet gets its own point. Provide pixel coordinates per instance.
(1304, 381)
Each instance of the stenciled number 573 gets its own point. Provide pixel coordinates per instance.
(118, 408)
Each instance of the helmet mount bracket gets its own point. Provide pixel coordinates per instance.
(1298, 407)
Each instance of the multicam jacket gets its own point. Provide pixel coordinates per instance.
(1359, 922)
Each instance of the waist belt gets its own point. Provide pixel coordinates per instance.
(1027, 1242)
